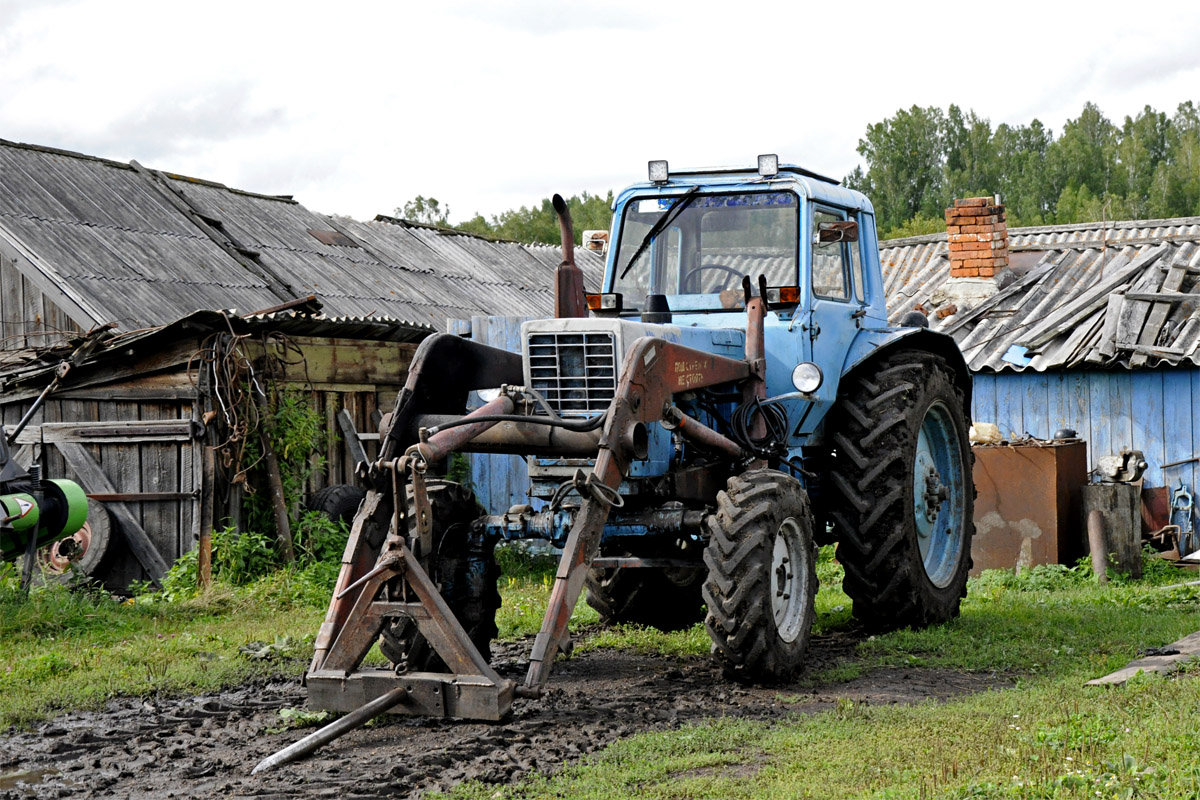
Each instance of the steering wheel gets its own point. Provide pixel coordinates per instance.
(687, 279)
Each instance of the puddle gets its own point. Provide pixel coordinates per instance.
(28, 777)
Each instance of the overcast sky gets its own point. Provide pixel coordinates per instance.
(355, 107)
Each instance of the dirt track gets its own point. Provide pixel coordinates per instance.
(205, 746)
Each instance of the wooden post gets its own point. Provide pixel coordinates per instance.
(283, 529)
(208, 467)
(1120, 506)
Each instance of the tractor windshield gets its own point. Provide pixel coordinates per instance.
(704, 244)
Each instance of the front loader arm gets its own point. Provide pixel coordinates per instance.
(654, 370)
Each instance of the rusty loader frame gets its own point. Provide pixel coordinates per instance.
(385, 572)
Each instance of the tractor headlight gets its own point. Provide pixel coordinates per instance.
(807, 377)
(658, 172)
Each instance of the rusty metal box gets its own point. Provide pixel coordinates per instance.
(1028, 510)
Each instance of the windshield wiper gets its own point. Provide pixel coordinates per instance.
(671, 213)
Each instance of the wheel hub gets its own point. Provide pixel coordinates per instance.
(788, 577)
(936, 493)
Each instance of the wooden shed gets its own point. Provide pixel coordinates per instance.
(119, 269)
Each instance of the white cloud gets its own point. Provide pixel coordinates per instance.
(357, 107)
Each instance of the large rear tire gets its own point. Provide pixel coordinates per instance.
(464, 568)
(900, 493)
(762, 581)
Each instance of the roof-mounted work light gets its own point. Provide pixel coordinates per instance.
(768, 165)
(658, 172)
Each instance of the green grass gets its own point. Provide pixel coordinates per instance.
(65, 650)
(1050, 629)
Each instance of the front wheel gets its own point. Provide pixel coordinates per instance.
(900, 492)
(762, 580)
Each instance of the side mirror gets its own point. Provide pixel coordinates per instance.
(840, 231)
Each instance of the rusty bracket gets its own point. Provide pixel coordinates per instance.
(653, 371)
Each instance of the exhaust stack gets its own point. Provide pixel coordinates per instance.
(568, 278)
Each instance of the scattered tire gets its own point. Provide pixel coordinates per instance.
(87, 550)
(667, 599)
(762, 581)
(900, 492)
(464, 568)
(340, 502)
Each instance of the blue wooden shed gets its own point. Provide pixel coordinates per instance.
(1095, 327)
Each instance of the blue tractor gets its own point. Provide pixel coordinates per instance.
(731, 398)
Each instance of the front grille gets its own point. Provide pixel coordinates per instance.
(576, 372)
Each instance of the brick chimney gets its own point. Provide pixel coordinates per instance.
(978, 238)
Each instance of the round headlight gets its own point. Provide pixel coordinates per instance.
(488, 395)
(807, 377)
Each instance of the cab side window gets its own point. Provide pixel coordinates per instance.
(830, 274)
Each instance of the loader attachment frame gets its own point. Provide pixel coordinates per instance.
(384, 580)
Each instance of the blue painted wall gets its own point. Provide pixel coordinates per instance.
(1151, 410)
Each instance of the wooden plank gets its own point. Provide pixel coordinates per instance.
(1169, 294)
(34, 314)
(25, 456)
(1163, 297)
(1112, 318)
(1119, 411)
(1134, 310)
(164, 430)
(1188, 649)
(208, 464)
(983, 398)
(1009, 411)
(1036, 404)
(140, 497)
(1147, 420)
(1081, 307)
(93, 478)
(160, 476)
(12, 304)
(1098, 392)
(1179, 408)
(350, 433)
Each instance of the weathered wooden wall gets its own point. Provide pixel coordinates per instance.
(360, 376)
(1156, 411)
(27, 317)
(137, 462)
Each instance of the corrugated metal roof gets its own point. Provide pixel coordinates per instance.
(1118, 294)
(145, 248)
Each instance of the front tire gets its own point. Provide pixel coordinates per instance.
(900, 492)
(464, 568)
(762, 581)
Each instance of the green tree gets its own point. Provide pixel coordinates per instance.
(426, 211)
(540, 224)
(905, 155)
(1083, 156)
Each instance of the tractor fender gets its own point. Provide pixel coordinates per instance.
(874, 343)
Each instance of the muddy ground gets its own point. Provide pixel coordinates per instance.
(205, 746)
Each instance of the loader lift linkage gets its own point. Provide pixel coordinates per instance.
(397, 584)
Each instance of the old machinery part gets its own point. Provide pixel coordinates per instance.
(1126, 467)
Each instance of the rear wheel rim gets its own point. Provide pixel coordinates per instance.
(789, 580)
(939, 493)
